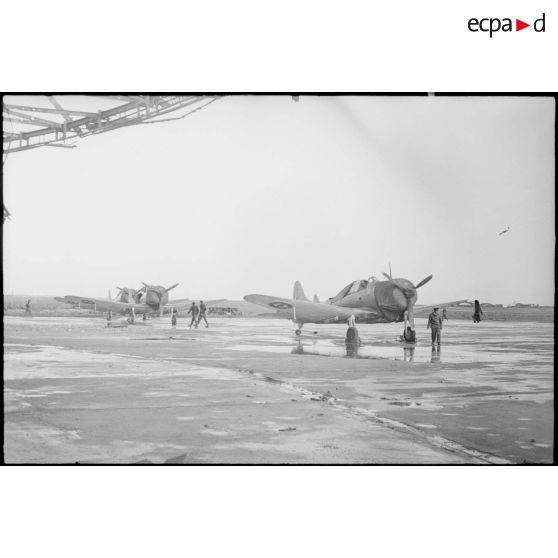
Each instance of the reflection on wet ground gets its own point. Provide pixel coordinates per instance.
(487, 343)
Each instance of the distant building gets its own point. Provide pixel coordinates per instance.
(225, 311)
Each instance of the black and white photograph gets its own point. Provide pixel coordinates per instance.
(286, 279)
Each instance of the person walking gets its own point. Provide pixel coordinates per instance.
(477, 312)
(435, 324)
(194, 310)
(203, 310)
(173, 318)
(28, 307)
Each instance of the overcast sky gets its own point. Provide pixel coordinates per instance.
(252, 193)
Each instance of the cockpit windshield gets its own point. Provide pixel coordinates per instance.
(351, 288)
(357, 286)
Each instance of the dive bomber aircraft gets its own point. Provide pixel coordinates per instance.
(149, 300)
(368, 300)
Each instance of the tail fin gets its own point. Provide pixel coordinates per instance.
(298, 292)
(316, 299)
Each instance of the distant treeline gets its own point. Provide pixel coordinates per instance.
(14, 305)
(507, 314)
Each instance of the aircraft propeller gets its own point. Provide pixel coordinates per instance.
(405, 288)
(409, 293)
(159, 292)
(424, 281)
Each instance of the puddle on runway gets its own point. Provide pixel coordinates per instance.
(498, 346)
(396, 351)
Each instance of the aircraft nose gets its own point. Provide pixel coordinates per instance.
(151, 297)
(399, 298)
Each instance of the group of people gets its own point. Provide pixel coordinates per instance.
(199, 313)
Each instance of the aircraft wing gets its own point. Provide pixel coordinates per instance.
(304, 311)
(101, 304)
(423, 310)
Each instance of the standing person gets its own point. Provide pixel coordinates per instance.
(203, 310)
(173, 319)
(28, 307)
(444, 314)
(435, 324)
(477, 313)
(194, 310)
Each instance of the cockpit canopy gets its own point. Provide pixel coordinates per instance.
(351, 288)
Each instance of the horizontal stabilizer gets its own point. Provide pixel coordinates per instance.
(298, 292)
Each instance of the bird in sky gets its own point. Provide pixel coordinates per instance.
(504, 231)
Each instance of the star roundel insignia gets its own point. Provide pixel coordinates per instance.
(280, 305)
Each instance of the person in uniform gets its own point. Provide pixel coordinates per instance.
(173, 319)
(435, 325)
(28, 307)
(477, 313)
(194, 310)
(203, 310)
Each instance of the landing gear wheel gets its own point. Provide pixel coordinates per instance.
(298, 332)
(409, 335)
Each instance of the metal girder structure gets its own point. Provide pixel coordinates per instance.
(54, 126)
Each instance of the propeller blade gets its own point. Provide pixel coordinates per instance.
(388, 277)
(170, 288)
(424, 281)
(144, 284)
(119, 288)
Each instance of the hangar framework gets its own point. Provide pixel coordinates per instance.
(33, 121)
(55, 124)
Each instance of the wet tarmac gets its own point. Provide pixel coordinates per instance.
(249, 391)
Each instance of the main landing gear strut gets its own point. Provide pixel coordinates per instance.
(409, 333)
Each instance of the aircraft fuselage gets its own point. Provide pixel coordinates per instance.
(384, 298)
